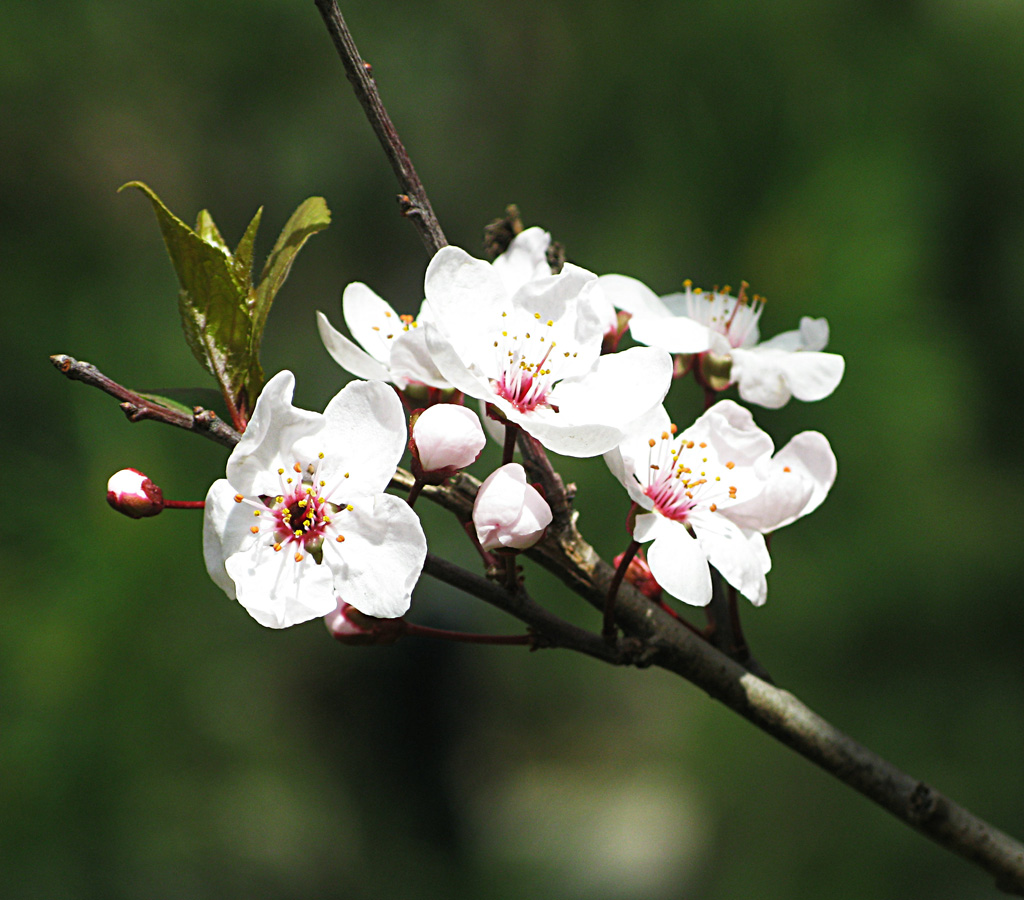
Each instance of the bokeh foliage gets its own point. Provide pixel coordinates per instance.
(858, 160)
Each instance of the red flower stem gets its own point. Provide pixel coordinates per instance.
(442, 634)
(414, 491)
(608, 630)
(184, 504)
(511, 434)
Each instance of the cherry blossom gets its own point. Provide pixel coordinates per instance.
(724, 330)
(534, 353)
(712, 492)
(301, 518)
(393, 345)
(508, 513)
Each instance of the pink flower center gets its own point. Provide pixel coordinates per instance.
(734, 317)
(300, 517)
(525, 362)
(677, 487)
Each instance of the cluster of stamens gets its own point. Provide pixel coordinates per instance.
(734, 317)
(394, 326)
(675, 487)
(525, 362)
(300, 514)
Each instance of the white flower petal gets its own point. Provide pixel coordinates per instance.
(273, 431)
(370, 319)
(379, 562)
(347, 355)
(679, 564)
(364, 438)
(798, 480)
(452, 368)
(279, 591)
(220, 507)
(524, 260)
(620, 389)
(411, 361)
(633, 296)
(735, 554)
(462, 293)
(676, 335)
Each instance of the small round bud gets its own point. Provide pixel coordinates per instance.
(638, 574)
(446, 438)
(132, 493)
(508, 513)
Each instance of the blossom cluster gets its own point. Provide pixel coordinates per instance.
(302, 526)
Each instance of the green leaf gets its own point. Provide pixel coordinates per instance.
(243, 252)
(212, 302)
(311, 216)
(208, 231)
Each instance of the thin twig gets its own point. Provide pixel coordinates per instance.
(556, 631)
(413, 201)
(136, 407)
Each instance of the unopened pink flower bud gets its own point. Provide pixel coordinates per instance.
(348, 625)
(509, 513)
(132, 493)
(447, 438)
(638, 574)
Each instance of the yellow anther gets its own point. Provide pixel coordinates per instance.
(687, 283)
(320, 456)
(349, 507)
(239, 498)
(495, 343)
(280, 471)
(256, 513)
(346, 474)
(297, 467)
(277, 547)
(287, 481)
(784, 469)
(673, 428)
(730, 465)
(390, 336)
(702, 445)
(340, 539)
(322, 483)
(651, 442)
(713, 507)
(255, 529)
(298, 557)
(376, 328)
(536, 315)
(551, 321)
(664, 435)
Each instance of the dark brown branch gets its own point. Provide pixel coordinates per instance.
(784, 717)
(555, 631)
(413, 201)
(667, 643)
(136, 407)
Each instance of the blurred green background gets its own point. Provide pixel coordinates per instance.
(855, 160)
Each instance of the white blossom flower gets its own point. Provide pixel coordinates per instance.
(712, 492)
(302, 519)
(535, 353)
(447, 436)
(508, 513)
(393, 346)
(717, 324)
